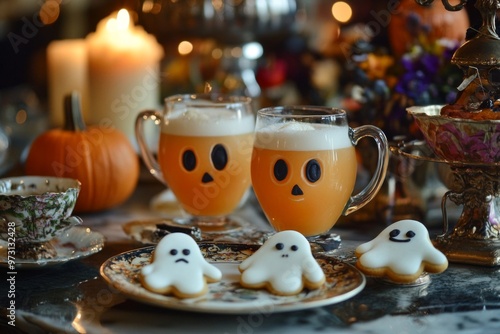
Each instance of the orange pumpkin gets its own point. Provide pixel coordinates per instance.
(441, 23)
(100, 157)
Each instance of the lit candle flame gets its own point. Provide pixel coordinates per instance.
(120, 23)
(123, 19)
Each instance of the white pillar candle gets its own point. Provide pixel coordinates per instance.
(66, 72)
(124, 66)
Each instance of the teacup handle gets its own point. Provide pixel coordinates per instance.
(71, 221)
(146, 153)
(359, 200)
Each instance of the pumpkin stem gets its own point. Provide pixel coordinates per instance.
(73, 120)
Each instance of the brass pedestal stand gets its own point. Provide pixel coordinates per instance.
(475, 237)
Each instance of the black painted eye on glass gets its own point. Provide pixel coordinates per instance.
(188, 160)
(219, 157)
(280, 170)
(313, 171)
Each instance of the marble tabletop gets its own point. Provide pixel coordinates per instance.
(73, 298)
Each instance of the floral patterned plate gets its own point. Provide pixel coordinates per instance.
(343, 281)
(75, 243)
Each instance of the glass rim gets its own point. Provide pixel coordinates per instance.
(209, 98)
(298, 111)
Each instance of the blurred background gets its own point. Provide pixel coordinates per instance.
(300, 51)
(372, 58)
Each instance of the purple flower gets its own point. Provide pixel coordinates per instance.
(430, 64)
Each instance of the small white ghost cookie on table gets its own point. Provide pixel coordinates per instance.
(284, 265)
(178, 267)
(401, 253)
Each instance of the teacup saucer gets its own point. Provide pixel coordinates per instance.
(75, 243)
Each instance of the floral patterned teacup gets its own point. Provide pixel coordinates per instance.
(35, 209)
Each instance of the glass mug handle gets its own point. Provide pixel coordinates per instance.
(147, 156)
(359, 200)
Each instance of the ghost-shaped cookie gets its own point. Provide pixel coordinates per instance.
(284, 265)
(401, 253)
(179, 268)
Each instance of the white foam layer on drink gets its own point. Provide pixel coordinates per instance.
(208, 122)
(296, 136)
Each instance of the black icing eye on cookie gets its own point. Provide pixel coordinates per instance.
(279, 246)
(294, 248)
(174, 252)
(394, 233)
(410, 234)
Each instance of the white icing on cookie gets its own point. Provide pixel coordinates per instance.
(284, 264)
(178, 266)
(402, 251)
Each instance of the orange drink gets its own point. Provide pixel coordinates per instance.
(303, 187)
(304, 167)
(314, 208)
(208, 174)
(204, 152)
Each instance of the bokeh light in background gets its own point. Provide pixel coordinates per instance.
(150, 6)
(217, 53)
(253, 50)
(21, 116)
(185, 48)
(49, 11)
(342, 11)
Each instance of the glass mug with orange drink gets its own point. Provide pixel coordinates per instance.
(203, 155)
(304, 167)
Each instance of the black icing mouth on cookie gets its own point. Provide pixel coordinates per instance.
(181, 260)
(394, 233)
(399, 240)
